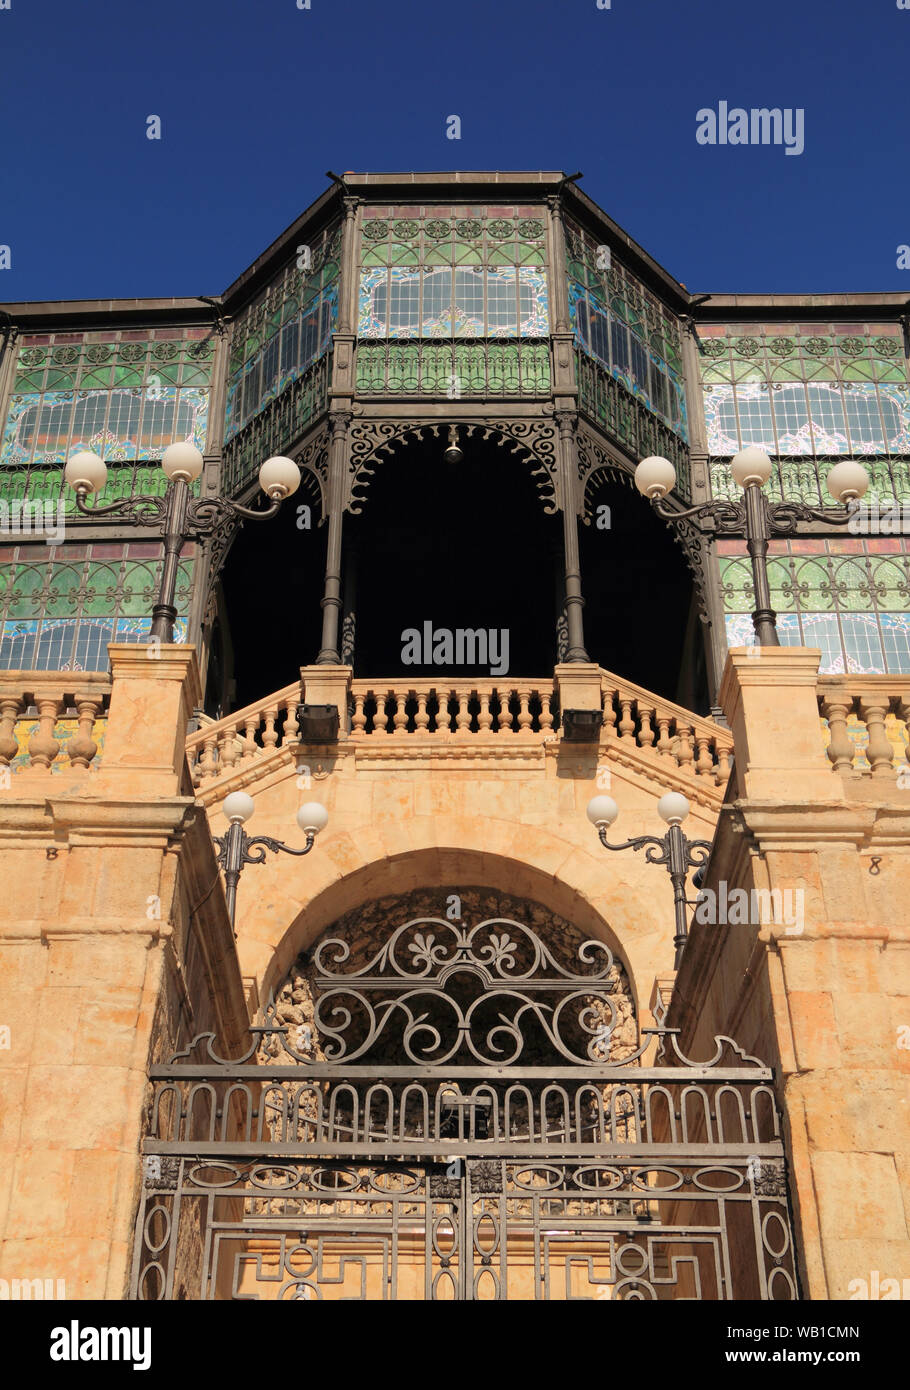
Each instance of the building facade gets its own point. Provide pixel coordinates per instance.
(450, 1052)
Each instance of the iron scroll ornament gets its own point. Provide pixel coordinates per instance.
(510, 971)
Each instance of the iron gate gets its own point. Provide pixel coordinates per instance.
(451, 1169)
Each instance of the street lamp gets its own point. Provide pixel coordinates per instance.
(180, 516)
(234, 847)
(673, 849)
(755, 515)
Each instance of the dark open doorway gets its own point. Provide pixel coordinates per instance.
(640, 617)
(458, 547)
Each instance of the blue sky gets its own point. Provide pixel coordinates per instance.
(247, 93)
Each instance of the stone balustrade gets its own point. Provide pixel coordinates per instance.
(49, 719)
(697, 746)
(221, 746)
(449, 707)
(866, 725)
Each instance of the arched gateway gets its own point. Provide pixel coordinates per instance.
(449, 1098)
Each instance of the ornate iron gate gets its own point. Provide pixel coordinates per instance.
(451, 1169)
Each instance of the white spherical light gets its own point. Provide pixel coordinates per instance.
(655, 476)
(752, 465)
(238, 806)
(182, 460)
(279, 477)
(85, 471)
(602, 810)
(847, 480)
(673, 808)
(312, 818)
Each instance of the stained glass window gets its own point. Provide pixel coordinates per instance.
(841, 391)
(848, 596)
(453, 273)
(283, 332)
(58, 614)
(627, 329)
(126, 397)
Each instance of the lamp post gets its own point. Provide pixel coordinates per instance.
(234, 848)
(180, 516)
(755, 515)
(674, 850)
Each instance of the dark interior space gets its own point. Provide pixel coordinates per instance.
(272, 581)
(638, 592)
(457, 546)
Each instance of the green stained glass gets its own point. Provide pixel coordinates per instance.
(128, 377)
(787, 371)
(101, 588)
(140, 582)
(434, 256)
(62, 595)
(378, 257)
(169, 375)
(100, 377)
(402, 255)
(26, 590)
(29, 381)
(60, 381)
(195, 376)
(465, 254)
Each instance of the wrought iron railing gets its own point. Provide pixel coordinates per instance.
(277, 426)
(454, 367)
(801, 478)
(628, 420)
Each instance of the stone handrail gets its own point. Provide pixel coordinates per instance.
(867, 724)
(77, 698)
(698, 746)
(444, 707)
(466, 709)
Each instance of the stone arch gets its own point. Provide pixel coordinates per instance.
(439, 934)
(571, 896)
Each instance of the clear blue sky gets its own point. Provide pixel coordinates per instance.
(246, 91)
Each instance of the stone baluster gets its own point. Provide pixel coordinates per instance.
(422, 717)
(485, 717)
(250, 746)
(836, 707)
(42, 746)
(524, 710)
(609, 724)
(82, 747)
(684, 752)
(664, 742)
(645, 733)
(546, 710)
(505, 711)
(873, 709)
(626, 722)
(704, 763)
(383, 721)
(10, 706)
(208, 763)
(463, 717)
(228, 752)
(359, 720)
(400, 717)
(270, 733)
(724, 766)
(291, 724)
(902, 710)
